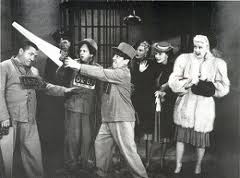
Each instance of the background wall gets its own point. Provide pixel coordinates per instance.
(226, 23)
(6, 35)
(173, 21)
(40, 17)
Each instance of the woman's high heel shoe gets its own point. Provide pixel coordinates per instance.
(198, 169)
(178, 168)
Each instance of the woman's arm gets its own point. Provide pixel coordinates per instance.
(176, 81)
(221, 82)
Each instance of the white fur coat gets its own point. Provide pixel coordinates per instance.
(194, 111)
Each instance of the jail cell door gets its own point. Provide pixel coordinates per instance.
(105, 26)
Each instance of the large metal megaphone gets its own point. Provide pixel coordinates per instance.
(48, 49)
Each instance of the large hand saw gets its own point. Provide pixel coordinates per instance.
(48, 49)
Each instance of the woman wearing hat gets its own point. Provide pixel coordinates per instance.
(197, 77)
(144, 76)
(165, 98)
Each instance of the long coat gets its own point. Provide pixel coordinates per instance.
(194, 111)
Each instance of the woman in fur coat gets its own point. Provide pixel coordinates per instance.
(197, 78)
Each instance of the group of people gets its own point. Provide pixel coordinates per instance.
(150, 80)
(141, 99)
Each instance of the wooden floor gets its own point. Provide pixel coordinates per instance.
(53, 160)
(51, 124)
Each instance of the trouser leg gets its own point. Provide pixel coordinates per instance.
(123, 133)
(31, 149)
(7, 149)
(104, 147)
(72, 138)
(86, 137)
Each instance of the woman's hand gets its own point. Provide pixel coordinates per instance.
(188, 84)
(159, 94)
(143, 66)
(69, 62)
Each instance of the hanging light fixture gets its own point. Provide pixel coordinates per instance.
(132, 19)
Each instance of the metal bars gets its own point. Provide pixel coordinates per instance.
(104, 25)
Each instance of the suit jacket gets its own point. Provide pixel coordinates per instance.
(17, 103)
(116, 102)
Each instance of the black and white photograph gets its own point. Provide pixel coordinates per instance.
(119, 89)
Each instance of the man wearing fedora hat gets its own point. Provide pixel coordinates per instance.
(79, 111)
(118, 115)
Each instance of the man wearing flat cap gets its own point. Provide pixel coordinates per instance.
(79, 111)
(118, 115)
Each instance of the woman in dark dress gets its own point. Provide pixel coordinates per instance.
(143, 79)
(165, 98)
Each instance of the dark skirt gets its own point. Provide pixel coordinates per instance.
(188, 135)
(145, 108)
(146, 123)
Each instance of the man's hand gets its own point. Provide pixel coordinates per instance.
(5, 123)
(69, 62)
(71, 91)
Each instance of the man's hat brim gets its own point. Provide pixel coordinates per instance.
(118, 51)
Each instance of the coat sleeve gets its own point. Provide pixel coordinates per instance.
(116, 76)
(176, 80)
(221, 82)
(50, 89)
(4, 115)
(54, 90)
